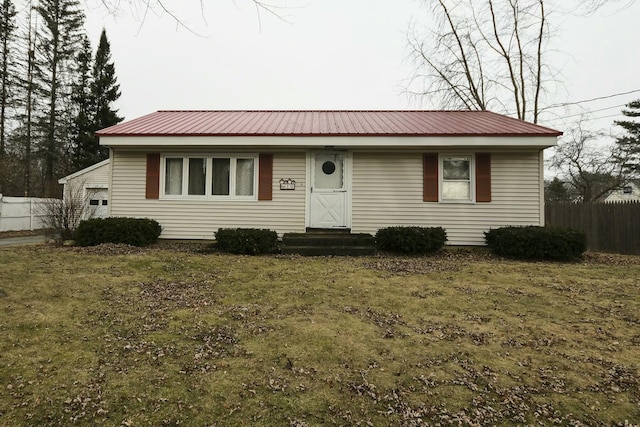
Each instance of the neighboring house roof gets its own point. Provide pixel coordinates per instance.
(326, 123)
(83, 171)
(620, 195)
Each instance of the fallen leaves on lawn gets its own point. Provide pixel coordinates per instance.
(490, 403)
(448, 260)
(110, 249)
(452, 259)
(610, 259)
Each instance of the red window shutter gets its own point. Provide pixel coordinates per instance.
(265, 177)
(430, 177)
(483, 177)
(153, 176)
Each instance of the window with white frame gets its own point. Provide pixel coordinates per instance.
(456, 184)
(232, 177)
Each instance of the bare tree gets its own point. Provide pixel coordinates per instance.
(484, 55)
(142, 7)
(591, 164)
(589, 7)
(61, 217)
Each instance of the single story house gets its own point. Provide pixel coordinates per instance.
(630, 192)
(91, 186)
(290, 171)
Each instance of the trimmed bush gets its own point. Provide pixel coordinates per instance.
(533, 242)
(246, 241)
(131, 231)
(411, 240)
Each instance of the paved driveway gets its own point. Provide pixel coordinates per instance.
(26, 240)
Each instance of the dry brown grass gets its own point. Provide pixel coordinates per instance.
(166, 336)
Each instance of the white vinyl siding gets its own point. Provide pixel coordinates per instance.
(200, 218)
(387, 191)
(96, 178)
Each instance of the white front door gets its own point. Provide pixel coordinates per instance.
(328, 190)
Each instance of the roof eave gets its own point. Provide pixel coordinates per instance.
(304, 141)
(315, 135)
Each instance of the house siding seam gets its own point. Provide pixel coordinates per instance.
(388, 191)
(199, 219)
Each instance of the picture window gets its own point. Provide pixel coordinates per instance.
(216, 177)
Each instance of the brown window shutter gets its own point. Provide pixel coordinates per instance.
(265, 177)
(483, 177)
(430, 177)
(153, 176)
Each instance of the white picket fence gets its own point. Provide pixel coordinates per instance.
(21, 213)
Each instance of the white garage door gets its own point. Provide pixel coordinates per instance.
(98, 202)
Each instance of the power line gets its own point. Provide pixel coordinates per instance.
(564, 104)
(606, 117)
(586, 112)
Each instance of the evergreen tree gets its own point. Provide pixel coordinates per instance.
(85, 148)
(7, 77)
(60, 39)
(556, 191)
(105, 88)
(630, 141)
(95, 90)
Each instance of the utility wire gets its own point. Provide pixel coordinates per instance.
(606, 117)
(586, 112)
(564, 104)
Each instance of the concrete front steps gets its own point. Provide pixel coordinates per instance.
(321, 242)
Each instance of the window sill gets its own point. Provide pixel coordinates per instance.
(192, 198)
(457, 202)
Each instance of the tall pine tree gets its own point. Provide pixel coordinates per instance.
(95, 90)
(85, 149)
(630, 141)
(105, 88)
(60, 39)
(7, 77)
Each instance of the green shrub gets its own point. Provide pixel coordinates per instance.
(411, 240)
(533, 242)
(246, 241)
(132, 231)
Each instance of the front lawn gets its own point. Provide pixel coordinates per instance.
(165, 336)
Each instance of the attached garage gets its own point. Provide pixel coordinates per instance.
(90, 186)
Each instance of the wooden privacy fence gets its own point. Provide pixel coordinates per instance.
(610, 227)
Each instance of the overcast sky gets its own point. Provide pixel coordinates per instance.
(331, 54)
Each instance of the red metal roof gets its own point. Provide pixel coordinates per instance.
(326, 123)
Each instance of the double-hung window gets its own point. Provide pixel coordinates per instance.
(224, 176)
(456, 182)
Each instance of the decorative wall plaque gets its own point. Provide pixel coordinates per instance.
(287, 184)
